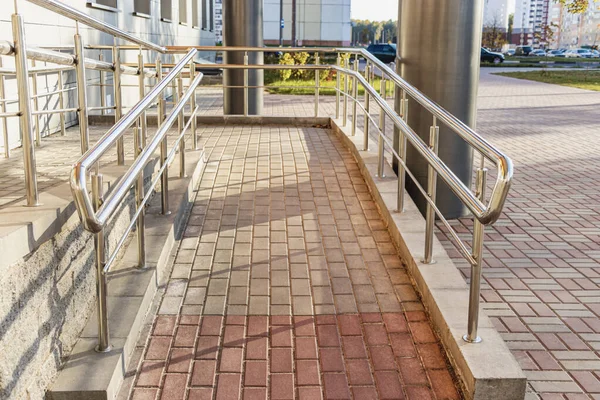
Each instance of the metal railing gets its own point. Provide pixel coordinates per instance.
(95, 211)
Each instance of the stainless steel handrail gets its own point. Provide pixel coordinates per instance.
(95, 221)
(76, 15)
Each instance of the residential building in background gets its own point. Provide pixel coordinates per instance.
(219, 21)
(575, 30)
(495, 14)
(318, 22)
(531, 19)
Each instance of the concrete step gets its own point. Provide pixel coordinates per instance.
(98, 376)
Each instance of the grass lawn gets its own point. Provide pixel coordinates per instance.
(307, 87)
(589, 80)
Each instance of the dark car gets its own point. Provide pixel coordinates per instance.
(384, 52)
(523, 50)
(491, 57)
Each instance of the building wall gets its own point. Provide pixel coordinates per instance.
(576, 30)
(531, 16)
(44, 28)
(496, 12)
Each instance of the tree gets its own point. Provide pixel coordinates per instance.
(493, 33)
(365, 31)
(575, 6)
(511, 23)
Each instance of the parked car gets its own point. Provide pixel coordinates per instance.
(556, 53)
(538, 53)
(510, 52)
(384, 52)
(595, 53)
(523, 50)
(578, 53)
(491, 57)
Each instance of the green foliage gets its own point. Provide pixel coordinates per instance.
(294, 59)
(589, 80)
(365, 31)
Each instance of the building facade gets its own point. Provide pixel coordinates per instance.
(495, 14)
(531, 20)
(575, 30)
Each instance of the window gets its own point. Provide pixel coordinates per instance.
(183, 12)
(166, 10)
(107, 5)
(212, 15)
(141, 8)
(204, 14)
(195, 19)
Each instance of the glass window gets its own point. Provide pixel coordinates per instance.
(183, 12)
(166, 10)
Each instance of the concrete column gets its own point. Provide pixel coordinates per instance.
(439, 45)
(243, 26)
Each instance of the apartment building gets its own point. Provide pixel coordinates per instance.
(531, 18)
(495, 13)
(575, 30)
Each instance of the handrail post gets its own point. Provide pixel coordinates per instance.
(3, 110)
(22, 74)
(82, 93)
(246, 84)
(142, 89)
(116, 58)
(434, 133)
(102, 87)
(317, 82)
(180, 127)
(354, 97)
(61, 102)
(36, 107)
(475, 287)
(101, 287)
(402, 153)
(337, 88)
(367, 120)
(381, 159)
(139, 198)
(193, 106)
(163, 145)
(346, 78)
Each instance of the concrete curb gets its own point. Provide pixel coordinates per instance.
(486, 370)
(94, 376)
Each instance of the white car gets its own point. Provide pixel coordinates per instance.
(538, 53)
(578, 53)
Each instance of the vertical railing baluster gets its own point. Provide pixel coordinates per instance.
(317, 83)
(142, 91)
(367, 120)
(163, 145)
(3, 110)
(354, 97)
(36, 104)
(102, 86)
(402, 153)
(118, 101)
(193, 107)
(61, 102)
(101, 287)
(477, 250)
(246, 84)
(82, 92)
(337, 87)
(346, 93)
(180, 126)
(381, 159)
(432, 193)
(25, 119)
(139, 198)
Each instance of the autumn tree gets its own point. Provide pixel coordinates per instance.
(494, 33)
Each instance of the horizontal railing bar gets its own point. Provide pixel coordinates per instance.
(55, 111)
(102, 108)
(53, 92)
(10, 114)
(91, 221)
(76, 15)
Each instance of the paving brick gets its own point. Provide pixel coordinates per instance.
(203, 373)
(282, 386)
(174, 387)
(336, 386)
(228, 386)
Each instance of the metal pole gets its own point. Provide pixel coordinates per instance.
(402, 153)
(82, 93)
(163, 145)
(347, 65)
(317, 82)
(354, 98)
(246, 85)
(22, 75)
(34, 89)
(180, 126)
(381, 159)
(101, 287)
(3, 110)
(337, 88)
(142, 90)
(193, 106)
(102, 87)
(139, 197)
(118, 102)
(61, 102)
(475, 288)
(434, 133)
(367, 120)
(280, 22)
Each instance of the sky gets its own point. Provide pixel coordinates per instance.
(382, 10)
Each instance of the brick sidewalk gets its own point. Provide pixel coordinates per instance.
(541, 263)
(287, 285)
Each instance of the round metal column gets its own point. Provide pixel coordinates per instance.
(438, 48)
(242, 26)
